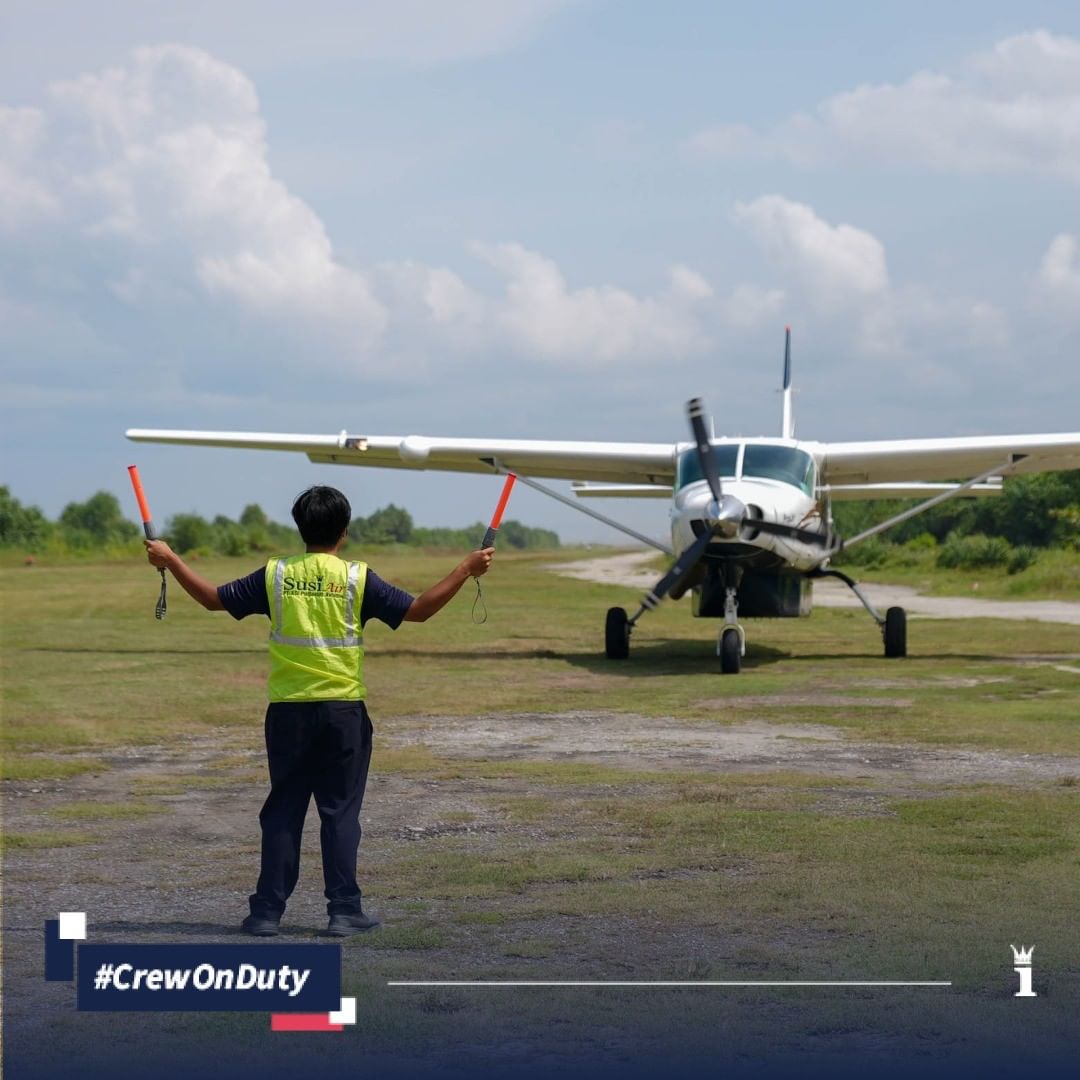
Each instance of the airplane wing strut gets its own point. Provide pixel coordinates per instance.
(618, 526)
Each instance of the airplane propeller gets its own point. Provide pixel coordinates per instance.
(695, 412)
(807, 536)
(727, 516)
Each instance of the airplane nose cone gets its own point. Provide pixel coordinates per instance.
(727, 515)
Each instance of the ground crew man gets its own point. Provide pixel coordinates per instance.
(318, 733)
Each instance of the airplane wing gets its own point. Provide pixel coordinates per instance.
(609, 462)
(908, 460)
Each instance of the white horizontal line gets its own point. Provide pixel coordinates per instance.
(750, 982)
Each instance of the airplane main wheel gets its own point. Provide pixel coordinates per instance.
(730, 652)
(895, 632)
(617, 634)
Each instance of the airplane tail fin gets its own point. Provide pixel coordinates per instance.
(788, 424)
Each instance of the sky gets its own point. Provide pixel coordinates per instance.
(523, 218)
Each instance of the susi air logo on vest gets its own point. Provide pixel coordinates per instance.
(318, 587)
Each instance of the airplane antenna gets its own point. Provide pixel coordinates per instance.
(788, 427)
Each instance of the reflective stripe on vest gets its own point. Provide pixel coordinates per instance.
(316, 643)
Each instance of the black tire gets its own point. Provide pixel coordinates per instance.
(617, 634)
(730, 652)
(895, 632)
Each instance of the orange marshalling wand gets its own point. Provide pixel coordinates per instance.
(496, 518)
(149, 530)
(144, 508)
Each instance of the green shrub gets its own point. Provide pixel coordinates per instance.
(96, 523)
(22, 526)
(974, 552)
(923, 542)
(187, 532)
(1021, 558)
(1068, 525)
(871, 553)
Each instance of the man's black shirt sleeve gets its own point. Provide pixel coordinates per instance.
(383, 601)
(246, 596)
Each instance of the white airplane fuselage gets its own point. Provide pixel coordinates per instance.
(768, 570)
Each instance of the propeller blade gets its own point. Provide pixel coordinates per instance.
(695, 411)
(807, 536)
(679, 570)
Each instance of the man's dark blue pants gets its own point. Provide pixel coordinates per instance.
(320, 748)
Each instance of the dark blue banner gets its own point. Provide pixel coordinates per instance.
(217, 978)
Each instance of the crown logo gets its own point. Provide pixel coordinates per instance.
(1022, 955)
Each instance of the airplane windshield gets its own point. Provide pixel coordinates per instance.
(783, 463)
(690, 466)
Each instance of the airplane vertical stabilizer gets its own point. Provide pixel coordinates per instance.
(788, 429)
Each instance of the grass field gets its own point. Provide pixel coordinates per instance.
(538, 812)
(1055, 575)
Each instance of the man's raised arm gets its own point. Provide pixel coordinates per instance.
(438, 596)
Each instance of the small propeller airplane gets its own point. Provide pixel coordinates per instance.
(751, 519)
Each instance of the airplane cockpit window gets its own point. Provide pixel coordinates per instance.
(783, 463)
(690, 466)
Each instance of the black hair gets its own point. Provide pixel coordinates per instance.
(321, 514)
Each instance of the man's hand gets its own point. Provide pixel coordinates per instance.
(160, 554)
(164, 558)
(478, 563)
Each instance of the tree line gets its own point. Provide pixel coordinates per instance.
(1032, 514)
(98, 525)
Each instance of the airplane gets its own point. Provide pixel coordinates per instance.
(751, 518)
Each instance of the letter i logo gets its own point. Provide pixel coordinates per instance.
(1022, 967)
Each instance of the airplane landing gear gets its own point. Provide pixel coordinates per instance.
(731, 642)
(894, 631)
(617, 634)
(893, 624)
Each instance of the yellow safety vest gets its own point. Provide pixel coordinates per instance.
(316, 643)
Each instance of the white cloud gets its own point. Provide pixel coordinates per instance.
(23, 197)
(1058, 279)
(1015, 108)
(1038, 62)
(841, 274)
(434, 293)
(150, 187)
(170, 152)
(688, 283)
(541, 314)
(834, 262)
(155, 179)
(748, 306)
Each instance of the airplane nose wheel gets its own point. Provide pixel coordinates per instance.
(731, 644)
(617, 634)
(730, 649)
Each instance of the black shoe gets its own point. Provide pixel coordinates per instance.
(351, 923)
(261, 925)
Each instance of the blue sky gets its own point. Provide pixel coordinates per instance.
(540, 218)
